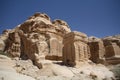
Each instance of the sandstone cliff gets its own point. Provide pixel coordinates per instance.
(38, 38)
(50, 44)
(105, 50)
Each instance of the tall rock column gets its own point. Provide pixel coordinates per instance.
(75, 48)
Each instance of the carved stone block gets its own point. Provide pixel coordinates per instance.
(75, 48)
(97, 51)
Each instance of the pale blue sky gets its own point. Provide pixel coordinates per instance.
(94, 17)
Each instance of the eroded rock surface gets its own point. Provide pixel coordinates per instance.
(75, 48)
(2, 45)
(7, 72)
(39, 42)
(97, 50)
(105, 50)
(37, 39)
(112, 48)
(25, 70)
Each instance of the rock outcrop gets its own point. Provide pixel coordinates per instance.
(105, 50)
(39, 38)
(75, 48)
(43, 37)
(42, 42)
(97, 50)
(13, 45)
(112, 48)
